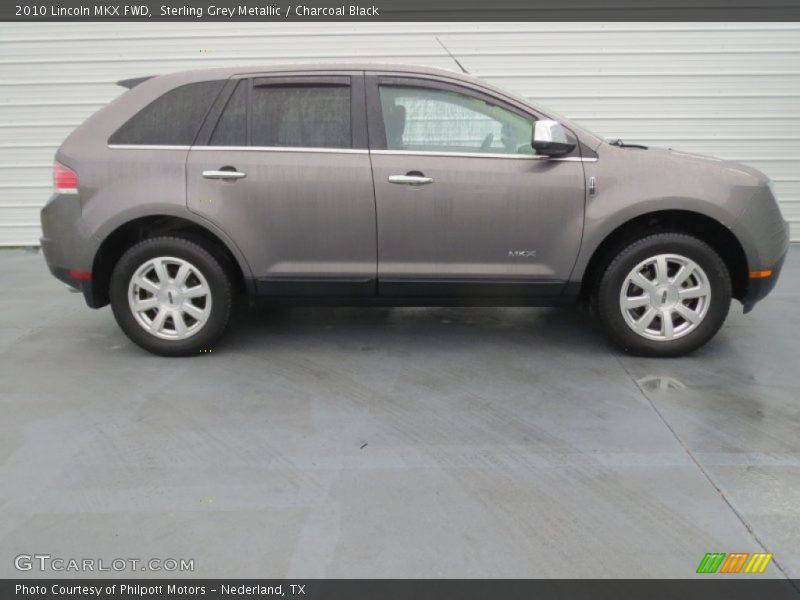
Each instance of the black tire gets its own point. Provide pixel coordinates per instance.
(219, 284)
(607, 296)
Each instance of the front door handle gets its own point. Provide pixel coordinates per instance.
(410, 179)
(224, 174)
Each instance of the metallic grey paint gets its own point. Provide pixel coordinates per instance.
(305, 214)
(631, 182)
(464, 224)
(318, 215)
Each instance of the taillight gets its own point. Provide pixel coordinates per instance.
(65, 181)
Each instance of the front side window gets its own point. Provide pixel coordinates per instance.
(301, 116)
(172, 119)
(434, 120)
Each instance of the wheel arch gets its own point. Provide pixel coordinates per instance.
(124, 234)
(705, 228)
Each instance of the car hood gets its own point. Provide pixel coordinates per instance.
(725, 166)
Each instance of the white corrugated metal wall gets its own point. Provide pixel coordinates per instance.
(730, 90)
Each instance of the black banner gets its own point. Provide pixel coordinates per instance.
(414, 589)
(400, 10)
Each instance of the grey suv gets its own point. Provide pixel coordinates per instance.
(401, 186)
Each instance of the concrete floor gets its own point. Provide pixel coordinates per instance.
(396, 443)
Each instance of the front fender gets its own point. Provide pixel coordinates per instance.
(631, 183)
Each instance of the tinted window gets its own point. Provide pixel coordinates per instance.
(171, 119)
(427, 119)
(231, 129)
(309, 116)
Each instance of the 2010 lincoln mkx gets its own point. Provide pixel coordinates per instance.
(399, 186)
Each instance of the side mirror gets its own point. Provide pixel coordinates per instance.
(551, 138)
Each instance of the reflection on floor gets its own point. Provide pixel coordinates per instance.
(397, 442)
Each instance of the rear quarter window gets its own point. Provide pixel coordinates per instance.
(172, 119)
(231, 129)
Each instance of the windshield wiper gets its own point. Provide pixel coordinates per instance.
(619, 143)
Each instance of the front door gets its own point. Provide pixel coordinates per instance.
(286, 173)
(464, 205)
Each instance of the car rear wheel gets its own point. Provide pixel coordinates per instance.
(171, 296)
(664, 295)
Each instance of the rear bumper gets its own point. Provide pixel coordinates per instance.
(63, 243)
(63, 274)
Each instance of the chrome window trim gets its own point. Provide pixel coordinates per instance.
(573, 159)
(237, 148)
(146, 147)
(353, 151)
(283, 149)
(483, 155)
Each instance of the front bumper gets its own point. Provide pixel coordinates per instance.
(759, 288)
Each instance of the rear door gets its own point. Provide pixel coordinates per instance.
(464, 205)
(285, 171)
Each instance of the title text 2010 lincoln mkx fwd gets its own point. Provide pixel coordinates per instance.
(397, 186)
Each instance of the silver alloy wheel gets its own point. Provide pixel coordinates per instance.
(170, 298)
(665, 297)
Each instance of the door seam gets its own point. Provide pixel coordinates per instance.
(372, 177)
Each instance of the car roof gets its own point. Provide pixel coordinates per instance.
(217, 72)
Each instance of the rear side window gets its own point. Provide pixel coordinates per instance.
(286, 114)
(172, 119)
(304, 116)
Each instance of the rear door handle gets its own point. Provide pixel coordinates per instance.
(410, 179)
(224, 174)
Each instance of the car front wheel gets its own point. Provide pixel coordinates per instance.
(171, 296)
(664, 295)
